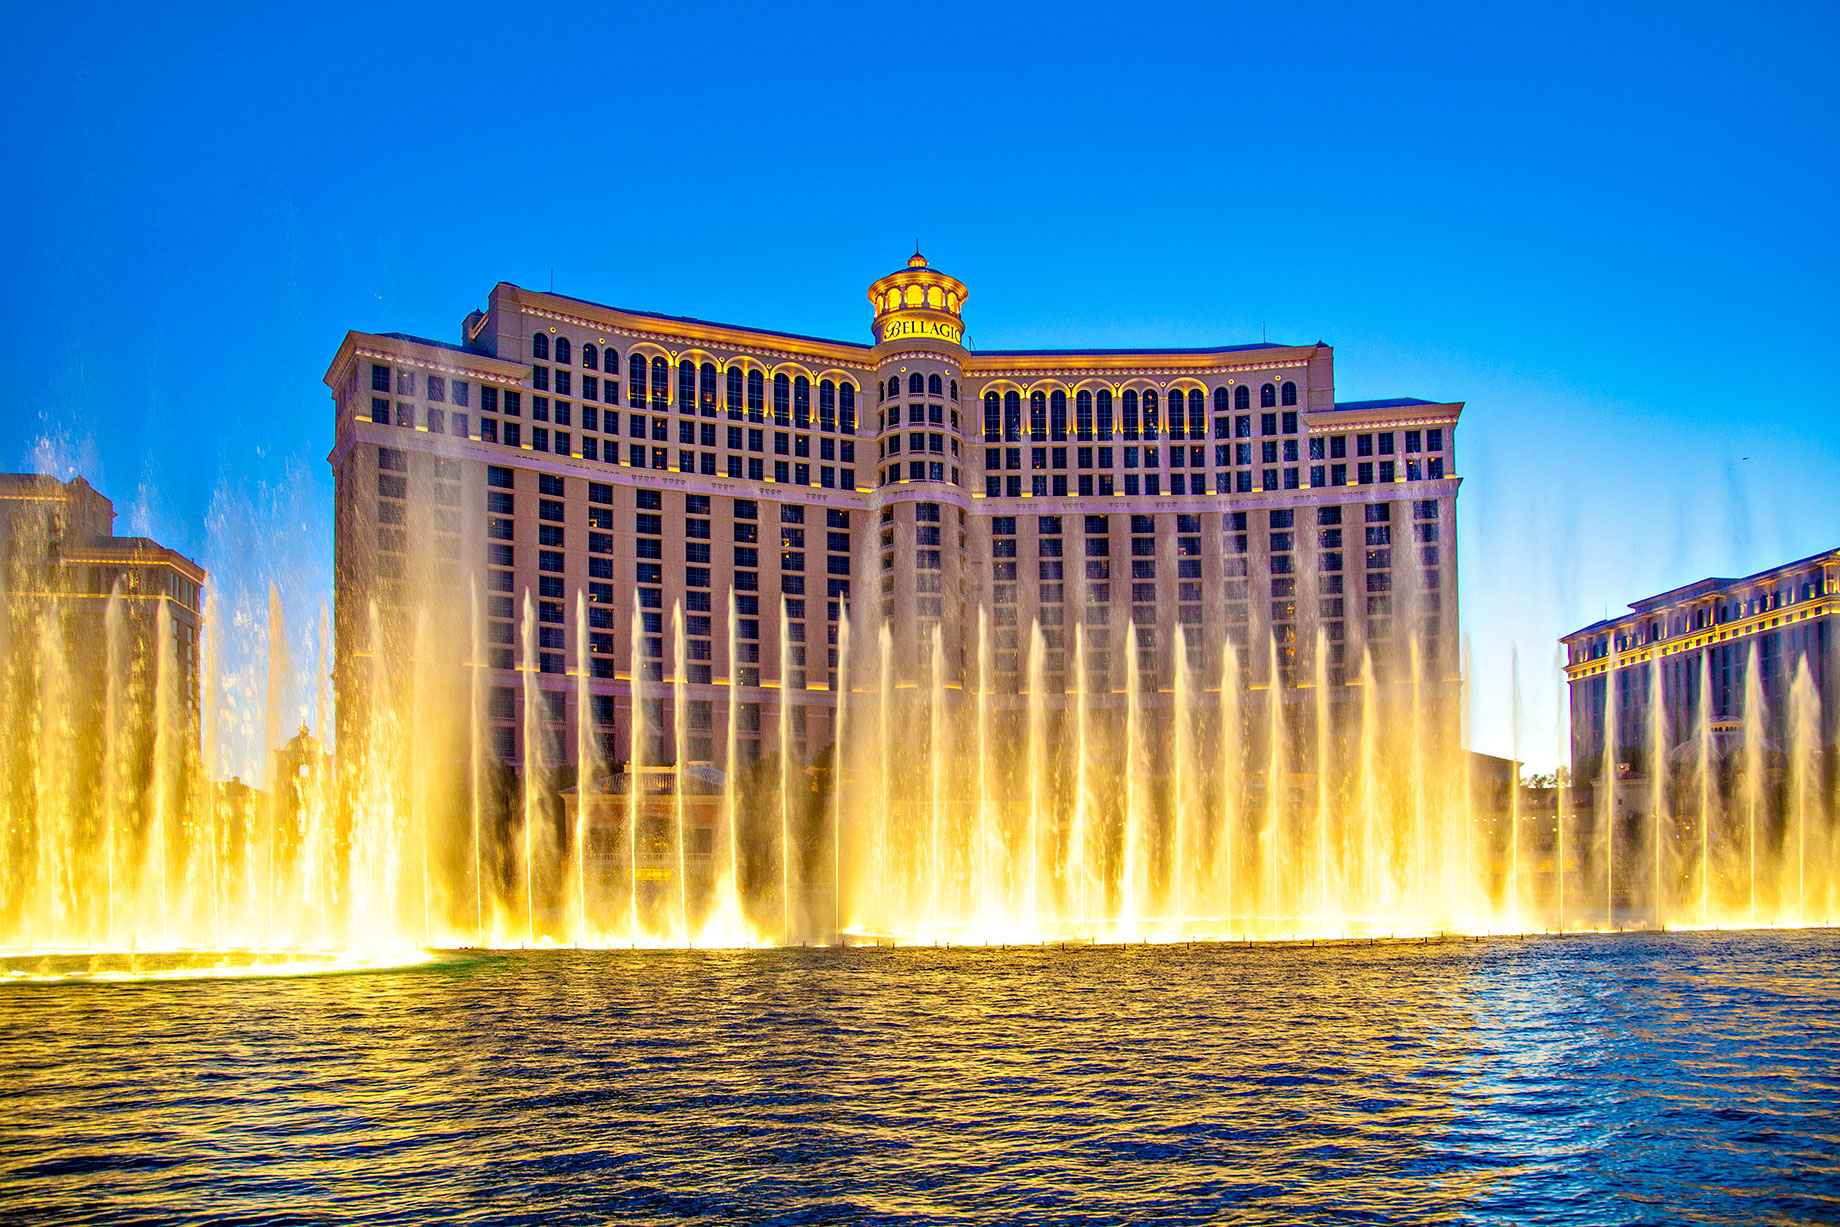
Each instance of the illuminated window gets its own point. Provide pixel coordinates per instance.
(1083, 414)
(735, 403)
(801, 403)
(846, 398)
(539, 347)
(706, 399)
(635, 381)
(590, 359)
(1197, 414)
(1012, 416)
(1128, 414)
(1038, 416)
(757, 395)
(1103, 406)
(661, 382)
(993, 419)
(1268, 397)
(1150, 413)
(1057, 416)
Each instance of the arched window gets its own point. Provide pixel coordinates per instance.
(1242, 398)
(635, 380)
(915, 385)
(1038, 417)
(1268, 397)
(782, 400)
(1012, 416)
(1082, 414)
(1290, 392)
(827, 406)
(894, 386)
(757, 396)
(1102, 405)
(735, 381)
(1150, 414)
(1223, 401)
(590, 357)
(1127, 412)
(562, 351)
(1057, 416)
(686, 386)
(539, 347)
(846, 402)
(1197, 414)
(955, 389)
(993, 418)
(934, 387)
(661, 383)
(801, 403)
(706, 399)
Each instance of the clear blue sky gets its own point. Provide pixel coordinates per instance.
(1609, 230)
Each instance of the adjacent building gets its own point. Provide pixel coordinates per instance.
(59, 553)
(1703, 652)
(547, 495)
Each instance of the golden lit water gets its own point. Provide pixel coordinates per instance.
(1641, 1078)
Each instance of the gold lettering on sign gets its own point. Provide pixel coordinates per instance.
(922, 329)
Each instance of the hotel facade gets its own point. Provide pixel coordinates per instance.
(1701, 653)
(553, 490)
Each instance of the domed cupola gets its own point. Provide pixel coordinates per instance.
(919, 303)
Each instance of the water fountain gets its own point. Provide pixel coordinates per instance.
(1240, 804)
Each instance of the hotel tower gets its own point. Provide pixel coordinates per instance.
(544, 496)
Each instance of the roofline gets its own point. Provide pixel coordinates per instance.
(1648, 605)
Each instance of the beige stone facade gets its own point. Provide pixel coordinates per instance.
(595, 461)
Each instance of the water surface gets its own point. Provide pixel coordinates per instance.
(1664, 1079)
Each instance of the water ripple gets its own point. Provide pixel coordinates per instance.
(1642, 1079)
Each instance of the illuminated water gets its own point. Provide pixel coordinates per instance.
(1642, 1078)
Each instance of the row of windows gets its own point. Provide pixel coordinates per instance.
(1243, 481)
(931, 385)
(1093, 414)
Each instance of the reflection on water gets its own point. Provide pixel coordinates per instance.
(1685, 1077)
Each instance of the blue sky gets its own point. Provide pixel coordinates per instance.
(1609, 230)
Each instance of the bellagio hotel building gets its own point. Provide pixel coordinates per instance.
(1170, 500)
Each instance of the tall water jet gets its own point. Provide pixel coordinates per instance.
(839, 740)
(1606, 804)
(730, 875)
(1804, 743)
(533, 736)
(1232, 779)
(1707, 792)
(986, 903)
(1183, 721)
(476, 734)
(1754, 726)
(680, 736)
(785, 778)
(936, 720)
(1562, 815)
(280, 667)
(635, 770)
(1368, 770)
(1077, 838)
(1036, 763)
(1320, 702)
(166, 700)
(1270, 837)
(114, 731)
(587, 766)
(1514, 788)
(1657, 785)
(1130, 875)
